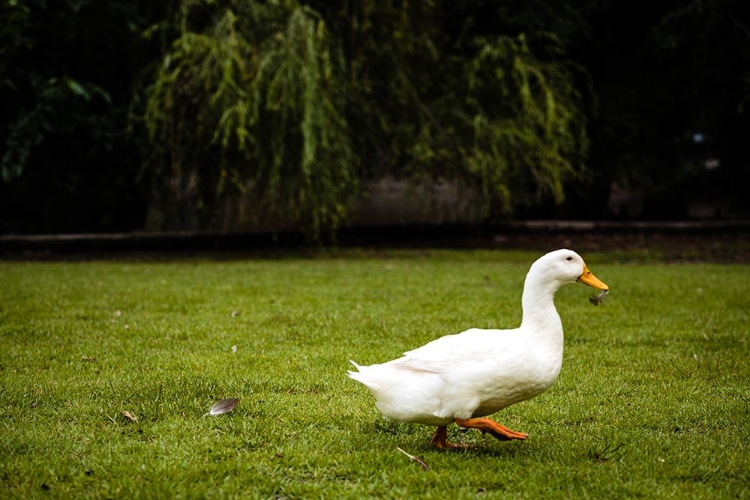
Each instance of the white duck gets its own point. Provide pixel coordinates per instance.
(461, 378)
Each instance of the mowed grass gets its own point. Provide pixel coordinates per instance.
(653, 400)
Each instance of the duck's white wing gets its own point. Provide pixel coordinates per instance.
(454, 352)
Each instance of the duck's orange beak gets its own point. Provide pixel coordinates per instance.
(587, 278)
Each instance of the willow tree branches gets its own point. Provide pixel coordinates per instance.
(291, 107)
(253, 101)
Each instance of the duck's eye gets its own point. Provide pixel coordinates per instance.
(569, 258)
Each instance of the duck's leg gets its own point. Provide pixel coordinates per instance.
(486, 425)
(440, 439)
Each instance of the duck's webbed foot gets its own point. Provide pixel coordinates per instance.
(490, 426)
(440, 439)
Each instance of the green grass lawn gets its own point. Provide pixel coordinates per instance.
(653, 399)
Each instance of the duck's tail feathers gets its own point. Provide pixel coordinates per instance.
(362, 375)
(357, 374)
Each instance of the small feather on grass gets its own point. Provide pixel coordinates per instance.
(223, 406)
(416, 459)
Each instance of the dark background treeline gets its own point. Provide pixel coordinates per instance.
(230, 114)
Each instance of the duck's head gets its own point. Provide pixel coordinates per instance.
(566, 266)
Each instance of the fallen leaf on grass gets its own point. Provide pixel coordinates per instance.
(129, 416)
(416, 459)
(223, 406)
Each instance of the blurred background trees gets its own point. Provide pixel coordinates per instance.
(230, 114)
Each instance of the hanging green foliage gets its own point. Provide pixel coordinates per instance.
(442, 102)
(289, 107)
(528, 126)
(252, 102)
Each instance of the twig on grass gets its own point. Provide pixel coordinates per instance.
(129, 416)
(416, 459)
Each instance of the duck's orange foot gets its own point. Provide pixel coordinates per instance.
(490, 426)
(440, 439)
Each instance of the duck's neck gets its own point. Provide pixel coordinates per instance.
(539, 312)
